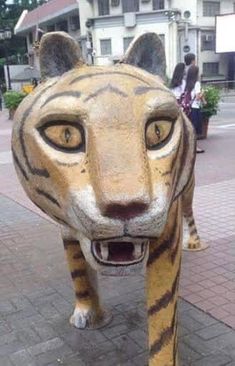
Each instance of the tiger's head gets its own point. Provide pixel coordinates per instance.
(104, 150)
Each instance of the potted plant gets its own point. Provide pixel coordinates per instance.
(210, 108)
(12, 99)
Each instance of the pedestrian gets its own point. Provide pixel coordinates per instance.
(193, 90)
(34, 83)
(1, 97)
(177, 85)
(189, 60)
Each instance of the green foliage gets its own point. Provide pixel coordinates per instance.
(12, 99)
(212, 97)
(2, 61)
(9, 15)
(11, 11)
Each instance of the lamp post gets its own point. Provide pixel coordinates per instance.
(6, 34)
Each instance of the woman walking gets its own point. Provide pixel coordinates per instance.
(193, 89)
(177, 85)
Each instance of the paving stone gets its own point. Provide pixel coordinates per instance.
(127, 346)
(141, 360)
(187, 354)
(22, 358)
(213, 331)
(28, 336)
(34, 325)
(140, 337)
(213, 360)
(45, 346)
(4, 361)
(60, 353)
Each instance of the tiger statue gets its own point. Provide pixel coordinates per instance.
(106, 152)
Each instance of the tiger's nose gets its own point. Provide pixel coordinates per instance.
(126, 211)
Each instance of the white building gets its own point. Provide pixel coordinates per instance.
(107, 27)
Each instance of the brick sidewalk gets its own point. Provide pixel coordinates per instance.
(37, 297)
(36, 294)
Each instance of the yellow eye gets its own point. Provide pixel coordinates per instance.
(65, 136)
(157, 133)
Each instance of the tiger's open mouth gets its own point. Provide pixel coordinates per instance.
(123, 251)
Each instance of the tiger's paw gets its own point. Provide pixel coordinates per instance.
(196, 246)
(89, 319)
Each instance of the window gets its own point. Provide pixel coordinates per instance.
(74, 23)
(103, 7)
(126, 42)
(51, 28)
(162, 38)
(234, 7)
(105, 47)
(62, 26)
(211, 8)
(208, 41)
(30, 37)
(210, 69)
(31, 60)
(130, 6)
(158, 4)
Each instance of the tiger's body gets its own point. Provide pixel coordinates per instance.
(107, 153)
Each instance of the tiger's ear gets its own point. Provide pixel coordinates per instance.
(58, 53)
(147, 52)
(188, 156)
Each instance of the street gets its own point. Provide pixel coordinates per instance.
(36, 296)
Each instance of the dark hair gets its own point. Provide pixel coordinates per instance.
(178, 75)
(189, 58)
(192, 77)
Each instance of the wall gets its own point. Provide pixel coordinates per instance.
(184, 5)
(14, 70)
(117, 10)
(226, 6)
(113, 28)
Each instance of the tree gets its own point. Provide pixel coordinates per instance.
(10, 11)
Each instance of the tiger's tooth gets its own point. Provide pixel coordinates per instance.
(104, 251)
(137, 251)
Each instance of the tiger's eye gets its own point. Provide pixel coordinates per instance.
(64, 136)
(67, 135)
(157, 132)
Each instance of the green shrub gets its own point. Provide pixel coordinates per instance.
(13, 98)
(212, 97)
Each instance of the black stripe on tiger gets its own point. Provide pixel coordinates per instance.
(68, 243)
(184, 156)
(87, 76)
(78, 273)
(166, 299)
(110, 88)
(48, 196)
(165, 245)
(70, 93)
(82, 294)
(165, 336)
(78, 256)
(61, 221)
(194, 231)
(174, 252)
(33, 170)
(23, 172)
(140, 90)
(175, 350)
(191, 222)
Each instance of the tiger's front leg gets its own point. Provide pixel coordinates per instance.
(88, 312)
(194, 242)
(163, 271)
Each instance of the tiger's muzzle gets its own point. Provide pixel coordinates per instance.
(124, 251)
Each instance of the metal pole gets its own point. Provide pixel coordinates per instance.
(7, 65)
